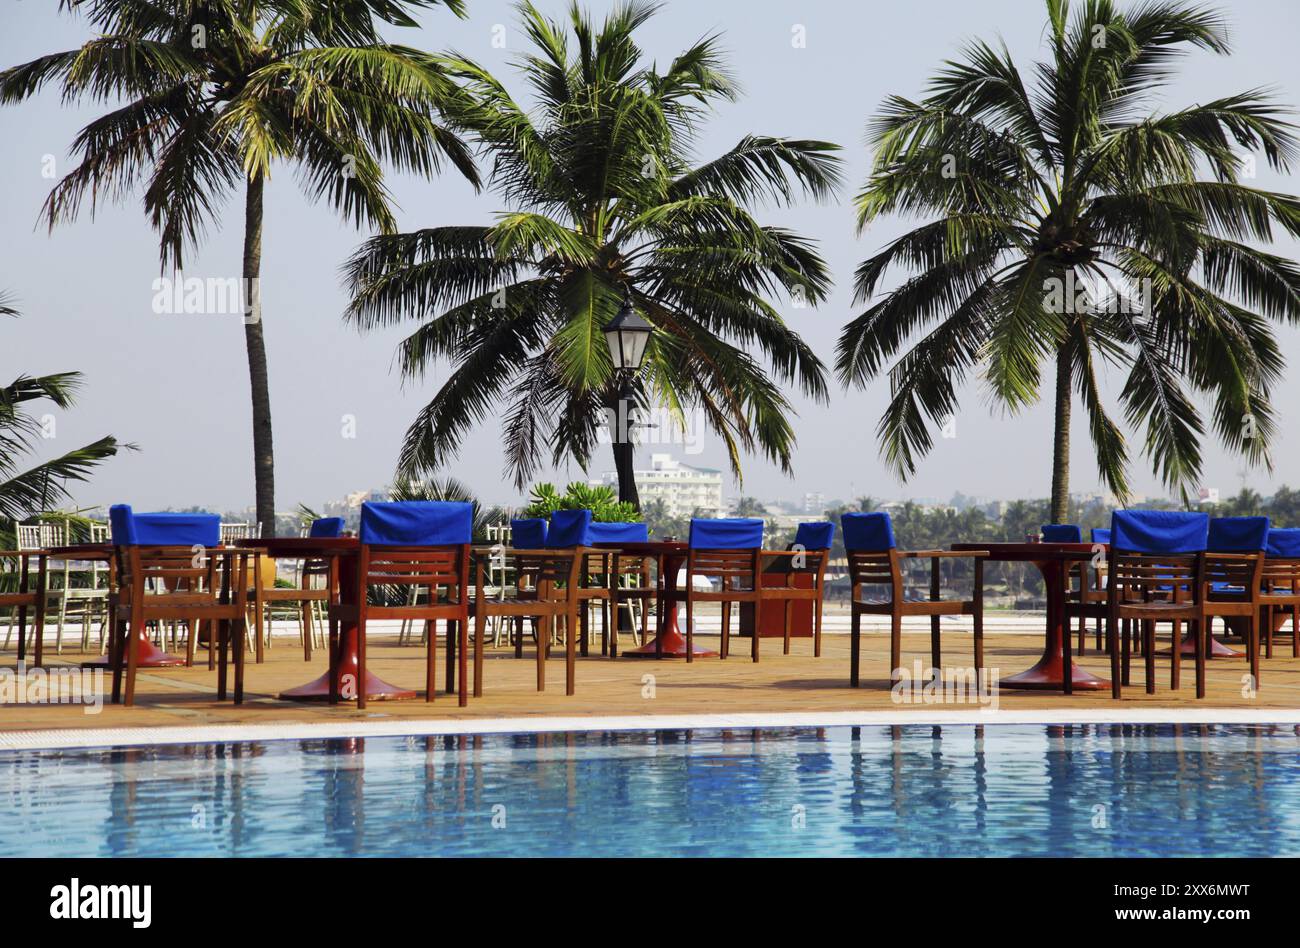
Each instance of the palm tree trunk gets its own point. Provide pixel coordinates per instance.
(1061, 441)
(263, 451)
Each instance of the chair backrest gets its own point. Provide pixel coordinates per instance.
(817, 535)
(1237, 535)
(1061, 533)
(619, 532)
(163, 529)
(551, 568)
(42, 536)
(326, 527)
(1283, 543)
(569, 528)
(528, 534)
(870, 546)
(240, 531)
(417, 523)
(1100, 534)
(729, 533)
(1159, 531)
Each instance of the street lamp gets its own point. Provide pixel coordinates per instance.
(626, 335)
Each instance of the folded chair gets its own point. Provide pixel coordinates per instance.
(875, 560)
(404, 544)
(1280, 589)
(166, 571)
(727, 552)
(28, 595)
(547, 589)
(802, 567)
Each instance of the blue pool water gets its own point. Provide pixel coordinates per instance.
(997, 790)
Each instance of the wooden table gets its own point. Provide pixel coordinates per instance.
(669, 641)
(343, 665)
(147, 655)
(1048, 674)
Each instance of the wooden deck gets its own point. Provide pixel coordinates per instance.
(779, 683)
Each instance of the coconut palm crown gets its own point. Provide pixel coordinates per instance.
(1036, 188)
(208, 95)
(603, 198)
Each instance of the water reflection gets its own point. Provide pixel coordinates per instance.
(1071, 790)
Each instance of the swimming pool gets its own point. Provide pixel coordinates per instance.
(996, 790)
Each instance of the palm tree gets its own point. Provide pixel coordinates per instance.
(749, 507)
(1032, 192)
(604, 200)
(215, 92)
(26, 492)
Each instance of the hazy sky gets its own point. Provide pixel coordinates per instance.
(177, 386)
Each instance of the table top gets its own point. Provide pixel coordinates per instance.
(1000, 550)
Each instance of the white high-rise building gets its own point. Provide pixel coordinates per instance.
(685, 490)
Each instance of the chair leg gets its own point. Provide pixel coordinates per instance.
(239, 657)
(1268, 639)
(817, 627)
(1067, 660)
(789, 610)
(543, 638)
(1149, 654)
(978, 624)
(1252, 641)
(479, 623)
(450, 640)
(690, 627)
(855, 646)
(1295, 631)
(584, 625)
(571, 654)
(1125, 648)
(1176, 659)
(361, 656)
(895, 645)
(1112, 646)
(724, 649)
(1200, 627)
(431, 667)
(936, 658)
(758, 624)
(1083, 635)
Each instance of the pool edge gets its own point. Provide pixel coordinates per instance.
(223, 733)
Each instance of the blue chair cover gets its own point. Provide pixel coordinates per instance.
(1100, 535)
(727, 533)
(528, 534)
(1061, 533)
(417, 523)
(327, 527)
(1159, 531)
(619, 533)
(867, 532)
(163, 529)
(1284, 543)
(569, 528)
(816, 535)
(1237, 534)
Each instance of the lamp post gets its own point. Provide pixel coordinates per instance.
(627, 335)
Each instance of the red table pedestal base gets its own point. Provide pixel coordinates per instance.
(319, 690)
(147, 655)
(1217, 649)
(1049, 675)
(674, 647)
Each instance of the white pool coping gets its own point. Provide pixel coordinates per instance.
(71, 739)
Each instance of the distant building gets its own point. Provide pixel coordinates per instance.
(814, 502)
(684, 490)
(1208, 495)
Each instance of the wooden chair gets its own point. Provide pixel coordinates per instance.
(726, 553)
(555, 577)
(1157, 572)
(1280, 587)
(608, 577)
(572, 529)
(25, 596)
(308, 595)
(412, 543)
(165, 572)
(806, 559)
(875, 560)
(633, 579)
